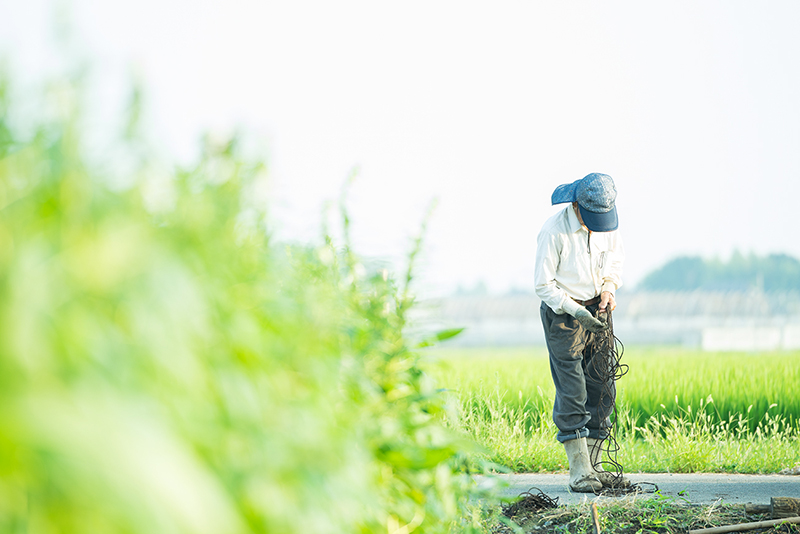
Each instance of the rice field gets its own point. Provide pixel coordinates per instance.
(679, 410)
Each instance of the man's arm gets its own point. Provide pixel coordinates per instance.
(612, 274)
(548, 254)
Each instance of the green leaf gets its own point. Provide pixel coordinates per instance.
(440, 336)
(447, 334)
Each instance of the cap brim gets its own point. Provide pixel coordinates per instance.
(600, 222)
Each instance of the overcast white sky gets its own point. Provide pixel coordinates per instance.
(690, 106)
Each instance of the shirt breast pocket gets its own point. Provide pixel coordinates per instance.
(604, 262)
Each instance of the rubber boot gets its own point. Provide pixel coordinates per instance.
(609, 479)
(582, 478)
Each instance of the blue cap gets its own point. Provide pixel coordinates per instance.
(595, 194)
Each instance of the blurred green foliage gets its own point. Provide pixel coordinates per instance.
(166, 367)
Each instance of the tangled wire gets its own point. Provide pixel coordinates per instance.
(530, 503)
(604, 354)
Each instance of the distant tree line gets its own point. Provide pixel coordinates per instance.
(774, 272)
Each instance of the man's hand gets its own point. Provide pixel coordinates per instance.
(607, 302)
(589, 322)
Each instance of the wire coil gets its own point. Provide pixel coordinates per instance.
(604, 354)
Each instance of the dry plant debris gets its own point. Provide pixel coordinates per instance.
(530, 503)
(791, 470)
(629, 515)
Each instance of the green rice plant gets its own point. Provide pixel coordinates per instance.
(734, 383)
(505, 400)
(516, 438)
(694, 441)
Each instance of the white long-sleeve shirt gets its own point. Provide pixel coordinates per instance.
(572, 262)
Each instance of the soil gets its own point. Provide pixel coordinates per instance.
(536, 512)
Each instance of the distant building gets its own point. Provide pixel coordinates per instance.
(749, 321)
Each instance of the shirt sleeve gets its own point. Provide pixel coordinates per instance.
(612, 271)
(548, 255)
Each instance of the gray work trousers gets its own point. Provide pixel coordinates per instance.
(577, 410)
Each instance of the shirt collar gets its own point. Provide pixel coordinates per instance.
(572, 220)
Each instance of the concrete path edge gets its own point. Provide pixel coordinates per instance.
(694, 488)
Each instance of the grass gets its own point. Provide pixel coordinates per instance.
(679, 410)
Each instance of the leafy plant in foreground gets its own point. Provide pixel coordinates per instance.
(166, 367)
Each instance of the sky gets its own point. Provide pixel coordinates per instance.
(485, 107)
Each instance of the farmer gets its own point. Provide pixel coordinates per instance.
(579, 260)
